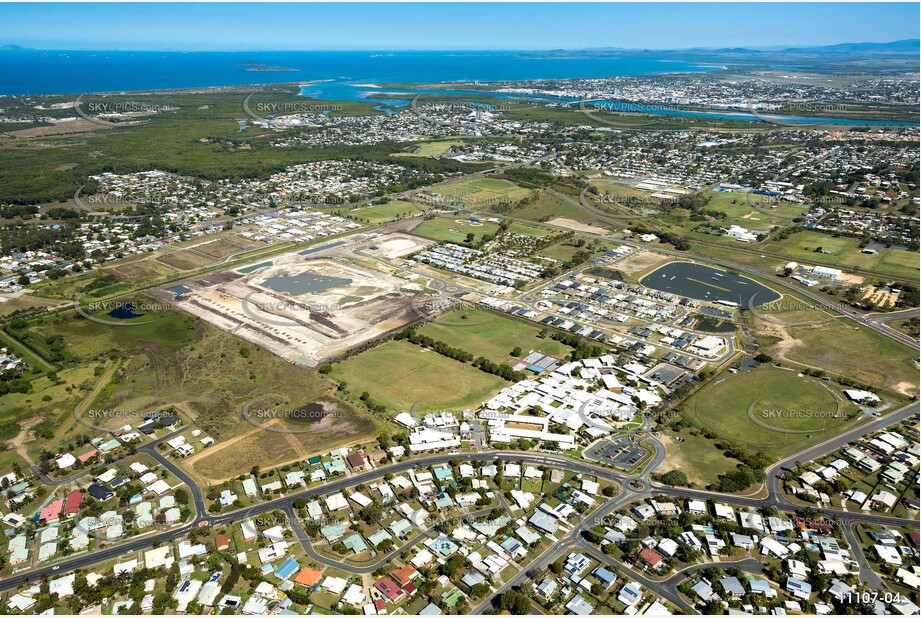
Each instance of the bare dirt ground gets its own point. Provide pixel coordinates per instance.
(69, 127)
(851, 279)
(641, 262)
(880, 297)
(577, 226)
(366, 299)
(25, 435)
(259, 447)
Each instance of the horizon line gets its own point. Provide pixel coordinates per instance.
(13, 47)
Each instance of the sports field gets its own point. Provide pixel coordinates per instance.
(769, 409)
(483, 192)
(400, 374)
(381, 213)
(454, 230)
(493, 335)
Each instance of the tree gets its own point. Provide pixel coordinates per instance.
(515, 603)
(675, 478)
(372, 513)
(516, 351)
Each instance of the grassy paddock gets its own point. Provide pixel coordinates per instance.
(400, 374)
(381, 213)
(845, 253)
(493, 335)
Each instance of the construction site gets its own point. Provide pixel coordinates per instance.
(311, 305)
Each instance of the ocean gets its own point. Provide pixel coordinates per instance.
(340, 76)
(74, 72)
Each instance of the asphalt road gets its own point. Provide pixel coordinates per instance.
(50, 482)
(304, 539)
(775, 498)
(204, 519)
(569, 540)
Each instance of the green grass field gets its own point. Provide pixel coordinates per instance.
(781, 399)
(381, 213)
(483, 192)
(559, 251)
(844, 253)
(400, 374)
(729, 253)
(549, 206)
(739, 212)
(854, 351)
(454, 230)
(491, 334)
(791, 309)
(909, 326)
(434, 148)
(528, 230)
(695, 455)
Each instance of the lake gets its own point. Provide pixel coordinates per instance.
(707, 283)
(304, 283)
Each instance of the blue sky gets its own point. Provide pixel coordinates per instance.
(381, 26)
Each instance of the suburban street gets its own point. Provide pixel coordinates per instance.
(573, 538)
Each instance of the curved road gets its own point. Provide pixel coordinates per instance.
(628, 496)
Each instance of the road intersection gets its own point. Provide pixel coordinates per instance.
(632, 489)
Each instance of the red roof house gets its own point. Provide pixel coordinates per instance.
(85, 457)
(651, 558)
(389, 590)
(52, 512)
(404, 575)
(72, 503)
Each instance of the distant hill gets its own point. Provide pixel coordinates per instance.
(904, 46)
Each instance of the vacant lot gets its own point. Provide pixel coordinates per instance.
(143, 271)
(400, 374)
(167, 358)
(694, 455)
(431, 149)
(24, 300)
(840, 347)
(493, 335)
(265, 448)
(185, 260)
(550, 205)
(219, 248)
(741, 213)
